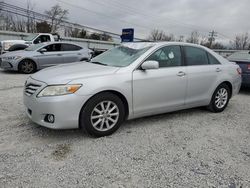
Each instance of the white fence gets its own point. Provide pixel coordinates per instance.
(93, 44)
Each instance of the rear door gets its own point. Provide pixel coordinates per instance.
(53, 56)
(71, 53)
(203, 71)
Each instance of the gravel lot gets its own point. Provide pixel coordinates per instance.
(190, 148)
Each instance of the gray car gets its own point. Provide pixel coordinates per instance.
(43, 55)
(130, 81)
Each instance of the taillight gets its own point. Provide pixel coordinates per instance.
(248, 66)
(239, 70)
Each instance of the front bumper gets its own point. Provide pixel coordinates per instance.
(7, 65)
(65, 108)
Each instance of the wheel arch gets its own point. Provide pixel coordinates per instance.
(117, 93)
(229, 84)
(30, 59)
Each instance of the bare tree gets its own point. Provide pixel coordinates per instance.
(57, 15)
(194, 37)
(159, 35)
(241, 41)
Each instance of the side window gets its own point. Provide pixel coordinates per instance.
(70, 47)
(212, 59)
(53, 48)
(42, 38)
(195, 56)
(168, 56)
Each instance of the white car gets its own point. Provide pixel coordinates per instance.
(130, 81)
(44, 55)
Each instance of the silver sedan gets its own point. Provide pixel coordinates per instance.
(130, 81)
(43, 55)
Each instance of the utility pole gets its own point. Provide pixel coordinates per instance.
(211, 38)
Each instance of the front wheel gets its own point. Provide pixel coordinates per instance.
(220, 98)
(27, 66)
(102, 115)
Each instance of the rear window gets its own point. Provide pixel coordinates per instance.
(212, 59)
(239, 56)
(70, 47)
(195, 56)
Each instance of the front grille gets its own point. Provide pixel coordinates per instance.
(31, 88)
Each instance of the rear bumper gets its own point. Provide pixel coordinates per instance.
(236, 85)
(245, 79)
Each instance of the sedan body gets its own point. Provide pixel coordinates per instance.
(43, 55)
(243, 60)
(130, 81)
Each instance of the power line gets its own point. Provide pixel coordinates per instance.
(102, 14)
(42, 17)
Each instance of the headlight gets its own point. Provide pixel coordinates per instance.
(59, 90)
(11, 58)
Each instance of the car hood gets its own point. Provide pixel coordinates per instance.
(15, 41)
(62, 74)
(16, 53)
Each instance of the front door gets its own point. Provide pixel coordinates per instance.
(160, 90)
(53, 56)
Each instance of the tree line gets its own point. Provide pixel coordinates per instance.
(53, 23)
(241, 41)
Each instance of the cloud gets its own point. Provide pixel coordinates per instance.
(180, 17)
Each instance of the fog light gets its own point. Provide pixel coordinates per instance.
(50, 118)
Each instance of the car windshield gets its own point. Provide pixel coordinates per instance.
(121, 56)
(30, 37)
(34, 47)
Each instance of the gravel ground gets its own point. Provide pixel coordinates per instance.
(190, 148)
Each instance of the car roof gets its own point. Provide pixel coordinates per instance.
(240, 56)
(161, 43)
(60, 42)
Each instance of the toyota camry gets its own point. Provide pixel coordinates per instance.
(130, 81)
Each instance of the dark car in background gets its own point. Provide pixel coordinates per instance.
(242, 58)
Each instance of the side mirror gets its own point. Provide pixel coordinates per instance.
(42, 50)
(150, 65)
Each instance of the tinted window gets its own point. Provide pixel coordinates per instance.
(212, 59)
(195, 56)
(53, 48)
(168, 56)
(70, 47)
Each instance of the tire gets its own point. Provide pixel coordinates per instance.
(27, 66)
(220, 98)
(95, 118)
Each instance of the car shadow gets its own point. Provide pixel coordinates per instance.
(9, 71)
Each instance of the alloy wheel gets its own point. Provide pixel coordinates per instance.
(221, 98)
(104, 115)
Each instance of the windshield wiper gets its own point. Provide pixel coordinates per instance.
(99, 63)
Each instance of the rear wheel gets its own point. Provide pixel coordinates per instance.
(220, 98)
(27, 66)
(102, 115)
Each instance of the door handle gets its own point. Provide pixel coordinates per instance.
(181, 73)
(218, 70)
(59, 54)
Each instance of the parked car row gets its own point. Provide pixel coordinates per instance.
(129, 81)
(242, 58)
(43, 55)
